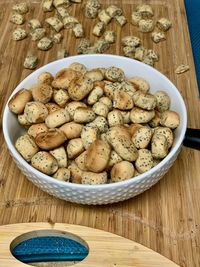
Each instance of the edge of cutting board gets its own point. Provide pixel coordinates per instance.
(105, 249)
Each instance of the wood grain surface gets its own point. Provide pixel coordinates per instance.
(165, 218)
(101, 245)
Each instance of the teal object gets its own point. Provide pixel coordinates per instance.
(193, 17)
(49, 248)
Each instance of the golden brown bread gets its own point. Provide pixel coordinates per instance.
(122, 171)
(18, 102)
(79, 88)
(74, 148)
(57, 118)
(64, 77)
(72, 129)
(51, 139)
(76, 173)
(42, 93)
(97, 157)
(35, 129)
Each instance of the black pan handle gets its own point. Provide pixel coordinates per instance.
(192, 138)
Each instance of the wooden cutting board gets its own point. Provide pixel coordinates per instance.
(105, 249)
(166, 218)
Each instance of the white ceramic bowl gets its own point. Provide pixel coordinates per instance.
(108, 193)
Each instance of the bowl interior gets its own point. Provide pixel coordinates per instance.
(158, 81)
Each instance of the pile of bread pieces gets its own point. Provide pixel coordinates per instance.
(93, 126)
(142, 17)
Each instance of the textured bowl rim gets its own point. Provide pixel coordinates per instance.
(50, 179)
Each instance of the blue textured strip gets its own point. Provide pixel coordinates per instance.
(193, 17)
(49, 248)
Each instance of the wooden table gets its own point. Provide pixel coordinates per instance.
(165, 218)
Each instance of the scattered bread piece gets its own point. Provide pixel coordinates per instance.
(99, 29)
(47, 5)
(65, 3)
(19, 34)
(62, 53)
(37, 34)
(55, 23)
(114, 11)
(78, 30)
(146, 25)
(91, 12)
(45, 44)
(121, 20)
(34, 24)
(158, 36)
(21, 8)
(100, 46)
(135, 18)
(129, 51)
(17, 18)
(62, 12)
(164, 24)
(69, 22)
(83, 46)
(57, 38)
(104, 16)
(182, 68)
(145, 10)
(131, 41)
(110, 37)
